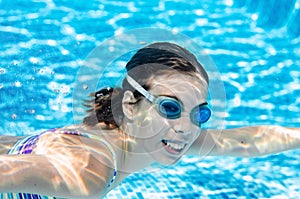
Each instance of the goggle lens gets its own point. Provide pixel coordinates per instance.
(200, 114)
(171, 109)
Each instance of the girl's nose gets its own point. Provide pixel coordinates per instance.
(183, 125)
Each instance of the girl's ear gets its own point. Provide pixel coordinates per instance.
(128, 102)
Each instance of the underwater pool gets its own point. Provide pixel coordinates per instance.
(254, 44)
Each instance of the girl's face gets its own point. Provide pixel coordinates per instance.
(166, 140)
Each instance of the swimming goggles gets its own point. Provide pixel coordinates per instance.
(170, 108)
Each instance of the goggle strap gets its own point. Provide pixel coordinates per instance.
(139, 88)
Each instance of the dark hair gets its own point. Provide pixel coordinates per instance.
(106, 105)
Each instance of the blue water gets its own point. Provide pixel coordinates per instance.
(254, 44)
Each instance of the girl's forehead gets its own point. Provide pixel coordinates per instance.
(184, 87)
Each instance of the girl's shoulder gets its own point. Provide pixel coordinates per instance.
(77, 146)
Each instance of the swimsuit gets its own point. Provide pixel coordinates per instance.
(26, 145)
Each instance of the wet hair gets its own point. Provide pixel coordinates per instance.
(150, 61)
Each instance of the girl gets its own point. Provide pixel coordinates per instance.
(155, 117)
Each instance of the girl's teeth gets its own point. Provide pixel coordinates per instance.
(173, 145)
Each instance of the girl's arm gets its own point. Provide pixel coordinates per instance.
(62, 168)
(246, 142)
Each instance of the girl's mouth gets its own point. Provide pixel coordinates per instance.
(172, 146)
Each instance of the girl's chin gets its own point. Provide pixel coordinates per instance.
(166, 158)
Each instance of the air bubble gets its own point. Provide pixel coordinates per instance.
(68, 30)
(51, 42)
(199, 12)
(13, 116)
(229, 2)
(65, 52)
(18, 84)
(33, 60)
(40, 117)
(254, 17)
(2, 71)
(85, 87)
(111, 49)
